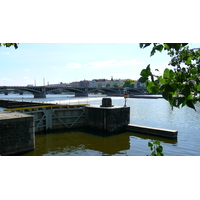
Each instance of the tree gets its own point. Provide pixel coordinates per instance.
(129, 83)
(180, 86)
(108, 85)
(116, 85)
(9, 45)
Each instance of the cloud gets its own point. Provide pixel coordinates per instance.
(112, 63)
(132, 62)
(5, 79)
(26, 70)
(5, 53)
(102, 64)
(73, 65)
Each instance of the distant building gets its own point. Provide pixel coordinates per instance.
(139, 85)
(59, 85)
(84, 83)
(119, 82)
(100, 82)
(92, 83)
(75, 84)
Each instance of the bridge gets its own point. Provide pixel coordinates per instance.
(41, 91)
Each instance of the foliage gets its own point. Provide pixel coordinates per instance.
(180, 86)
(116, 85)
(129, 83)
(102, 92)
(156, 148)
(9, 45)
(108, 85)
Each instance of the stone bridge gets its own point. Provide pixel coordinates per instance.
(41, 91)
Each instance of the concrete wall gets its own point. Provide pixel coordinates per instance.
(17, 133)
(107, 119)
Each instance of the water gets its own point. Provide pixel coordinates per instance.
(147, 112)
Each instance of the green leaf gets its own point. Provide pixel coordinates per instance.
(15, 45)
(188, 61)
(150, 86)
(184, 44)
(190, 104)
(142, 79)
(168, 96)
(186, 91)
(175, 46)
(198, 88)
(189, 97)
(161, 80)
(160, 154)
(166, 73)
(166, 46)
(193, 71)
(145, 73)
(153, 51)
(143, 45)
(157, 142)
(150, 144)
(159, 47)
(8, 44)
(159, 149)
(171, 74)
(165, 95)
(179, 101)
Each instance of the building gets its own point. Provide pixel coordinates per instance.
(75, 84)
(139, 85)
(84, 83)
(100, 82)
(119, 82)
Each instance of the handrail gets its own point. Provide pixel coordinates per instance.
(48, 106)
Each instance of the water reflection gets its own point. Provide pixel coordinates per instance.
(84, 143)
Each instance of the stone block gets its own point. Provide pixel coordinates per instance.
(107, 119)
(16, 133)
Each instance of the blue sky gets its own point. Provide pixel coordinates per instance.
(65, 42)
(68, 62)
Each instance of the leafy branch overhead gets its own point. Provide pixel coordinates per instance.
(9, 45)
(180, 86)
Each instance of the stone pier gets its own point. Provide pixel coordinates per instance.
(17, 134)
(107, 118)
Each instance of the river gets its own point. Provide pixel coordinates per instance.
(147, 112)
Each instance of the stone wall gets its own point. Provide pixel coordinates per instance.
(108, 119)
(17, 133)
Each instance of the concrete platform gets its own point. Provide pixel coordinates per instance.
(153, 131)
(11, 115)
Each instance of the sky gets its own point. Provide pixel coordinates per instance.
(87, 39)
(52, 63)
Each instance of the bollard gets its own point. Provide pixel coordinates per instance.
(106, 102)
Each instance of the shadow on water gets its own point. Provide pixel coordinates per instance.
(86, 143)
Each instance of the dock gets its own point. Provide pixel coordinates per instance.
(153, 131)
